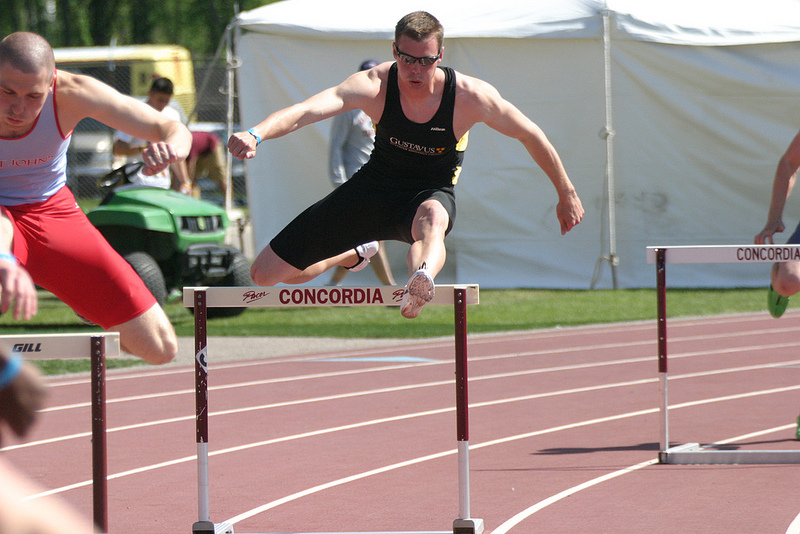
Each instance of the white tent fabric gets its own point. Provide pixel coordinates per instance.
(704, 100)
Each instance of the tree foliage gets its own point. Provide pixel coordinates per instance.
(196, 24)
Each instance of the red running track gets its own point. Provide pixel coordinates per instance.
(564, 431)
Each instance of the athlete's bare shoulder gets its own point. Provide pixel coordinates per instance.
(367, 89)
(75, 86)
(77, 96)
(474, 91)
(476, 101)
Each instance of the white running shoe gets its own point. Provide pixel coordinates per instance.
(365, 252)
(419, 291)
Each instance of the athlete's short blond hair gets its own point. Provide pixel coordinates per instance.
(419, 26)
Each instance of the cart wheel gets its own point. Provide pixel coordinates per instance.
(239, 277)
(150, 273)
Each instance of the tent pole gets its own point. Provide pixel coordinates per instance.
(607, 133)
(229, 89)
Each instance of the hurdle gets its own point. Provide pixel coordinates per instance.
(694, 453)
(201, 298)
(96, 346)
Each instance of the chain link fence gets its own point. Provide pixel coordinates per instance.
(90, 155)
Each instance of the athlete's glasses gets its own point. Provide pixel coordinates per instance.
(410, 60)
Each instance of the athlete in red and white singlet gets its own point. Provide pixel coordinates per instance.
(45, 238)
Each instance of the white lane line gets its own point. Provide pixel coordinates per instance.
(331, 484)
(263, 382)
(443, 362)
(334, 483)
(472, 342)
(794, 527)
(345, 480)
(419, 386)
(244, 447)
(413, 344)
(255, 511)
(525, 514)
(505, 527)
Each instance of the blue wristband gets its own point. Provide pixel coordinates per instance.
(254, 134)
(11, 370)
(8, 257)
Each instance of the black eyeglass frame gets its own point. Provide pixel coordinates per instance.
(425, 61)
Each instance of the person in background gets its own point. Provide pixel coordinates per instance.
(352, 140)
(130, 148)
(207, 158)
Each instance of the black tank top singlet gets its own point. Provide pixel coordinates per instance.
(416, 155)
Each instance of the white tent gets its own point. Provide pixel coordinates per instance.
(670, 118)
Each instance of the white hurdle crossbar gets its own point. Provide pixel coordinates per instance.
(201, 298)
(96, 346)
(694, 453)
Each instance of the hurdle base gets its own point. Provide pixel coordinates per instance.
(695, 454)
(203, 527)
(469, 525)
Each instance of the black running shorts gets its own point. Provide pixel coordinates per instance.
(358, 211)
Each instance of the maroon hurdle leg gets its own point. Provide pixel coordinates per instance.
(464, 524)
(203, 524)
(661, 300)
(99, 458)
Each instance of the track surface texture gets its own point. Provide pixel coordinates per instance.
(564, 432)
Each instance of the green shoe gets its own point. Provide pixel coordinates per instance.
(797, 432)
(776, 303)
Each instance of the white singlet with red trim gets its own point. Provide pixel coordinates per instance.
(33, 167)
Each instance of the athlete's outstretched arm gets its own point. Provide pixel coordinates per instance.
(783, 183)
(79, 97)
(360, 90)
(482, 103)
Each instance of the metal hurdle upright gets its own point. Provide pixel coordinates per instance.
(694, 453)
(96, 346)
(201, 298)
